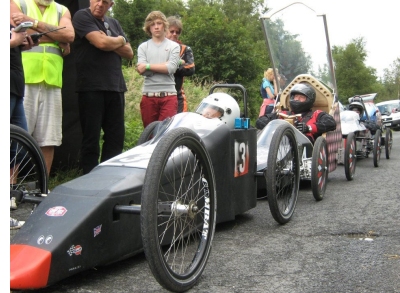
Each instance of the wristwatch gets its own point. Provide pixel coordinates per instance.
(35, 24)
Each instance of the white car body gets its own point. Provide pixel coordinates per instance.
(390, 113)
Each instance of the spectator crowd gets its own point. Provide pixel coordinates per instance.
(99, 45)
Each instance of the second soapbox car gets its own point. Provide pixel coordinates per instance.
(363, 134)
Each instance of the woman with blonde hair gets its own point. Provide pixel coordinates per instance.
(268, 90)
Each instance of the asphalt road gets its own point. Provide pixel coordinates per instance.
(348, 242)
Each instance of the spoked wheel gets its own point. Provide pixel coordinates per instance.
(350, 157)
(377, 148)
(319, 168)
(28, 174)
(148, 132)
(282, 174)
(178, 212)
(388, 142)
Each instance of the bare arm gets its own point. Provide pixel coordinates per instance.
(160, 68)
(65, 35)
(103, 42)
(269, 92)
(125, 51)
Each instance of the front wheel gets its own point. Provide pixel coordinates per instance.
(388, 142)
(377, 148)
(350, 157)
(282, 174)
(28, 173)
(178, 210)
(319, 168)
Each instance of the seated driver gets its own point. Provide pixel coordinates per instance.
(221, 106)
(359, 108)
(311, 123)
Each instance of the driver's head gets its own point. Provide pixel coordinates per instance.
(211, 111)
(357, 107)
(302, 98)
(221, 106)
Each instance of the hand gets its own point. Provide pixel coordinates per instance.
(19, 18)
(17, 38)
(28, 44)
(302, 127)
(65, 47)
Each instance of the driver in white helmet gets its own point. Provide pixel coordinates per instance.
(221, 106)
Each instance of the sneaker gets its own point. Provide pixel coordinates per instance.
(15, 224)
(13, 203)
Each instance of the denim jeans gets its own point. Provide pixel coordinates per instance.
(17, 112)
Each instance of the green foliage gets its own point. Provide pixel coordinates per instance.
(391, 81)
(131, 16)
(353, 77)
(62, 176)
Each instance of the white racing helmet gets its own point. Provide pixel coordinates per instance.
(224, 104)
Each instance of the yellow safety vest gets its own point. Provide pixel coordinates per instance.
(43, 62)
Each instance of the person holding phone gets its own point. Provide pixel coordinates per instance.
(43, 67)
(18, 41)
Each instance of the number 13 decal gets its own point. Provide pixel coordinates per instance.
(241, 158)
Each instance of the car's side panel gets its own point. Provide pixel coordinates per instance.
(230, 150)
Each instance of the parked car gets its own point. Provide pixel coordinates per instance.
(373, 112)
(390, 113)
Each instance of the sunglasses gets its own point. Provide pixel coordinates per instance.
(175, 32)
(107, 26)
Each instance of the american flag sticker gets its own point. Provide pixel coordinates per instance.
(97, 230)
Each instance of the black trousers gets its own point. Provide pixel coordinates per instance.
(101, 111)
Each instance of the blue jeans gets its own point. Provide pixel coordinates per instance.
(17, 112)
(17, 117)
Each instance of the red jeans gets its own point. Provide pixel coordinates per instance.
(157, 108)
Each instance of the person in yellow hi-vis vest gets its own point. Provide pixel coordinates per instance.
(43, 66)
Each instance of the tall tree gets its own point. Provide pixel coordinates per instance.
(391, 80)
(353, 77)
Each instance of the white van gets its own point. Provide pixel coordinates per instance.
(390, 113)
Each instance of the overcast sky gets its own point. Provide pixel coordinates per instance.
(376, 21)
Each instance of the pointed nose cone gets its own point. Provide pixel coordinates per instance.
(29, 267)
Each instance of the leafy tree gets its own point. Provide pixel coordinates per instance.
(131, 16)
(391, 81)
(353, 77)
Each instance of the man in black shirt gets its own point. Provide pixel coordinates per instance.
(100, 44)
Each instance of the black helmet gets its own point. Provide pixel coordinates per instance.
(303, 89)
(358, 106)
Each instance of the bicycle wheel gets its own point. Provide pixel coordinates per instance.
(388, 142)
(282, 174)
(28, 175)
(377, 148)
(178, 212)
(350, 158)
(319, 168)
(148, 132)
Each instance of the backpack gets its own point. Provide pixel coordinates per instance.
(263, 92)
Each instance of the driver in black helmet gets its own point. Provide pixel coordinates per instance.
(311, 123)
(358, 107)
